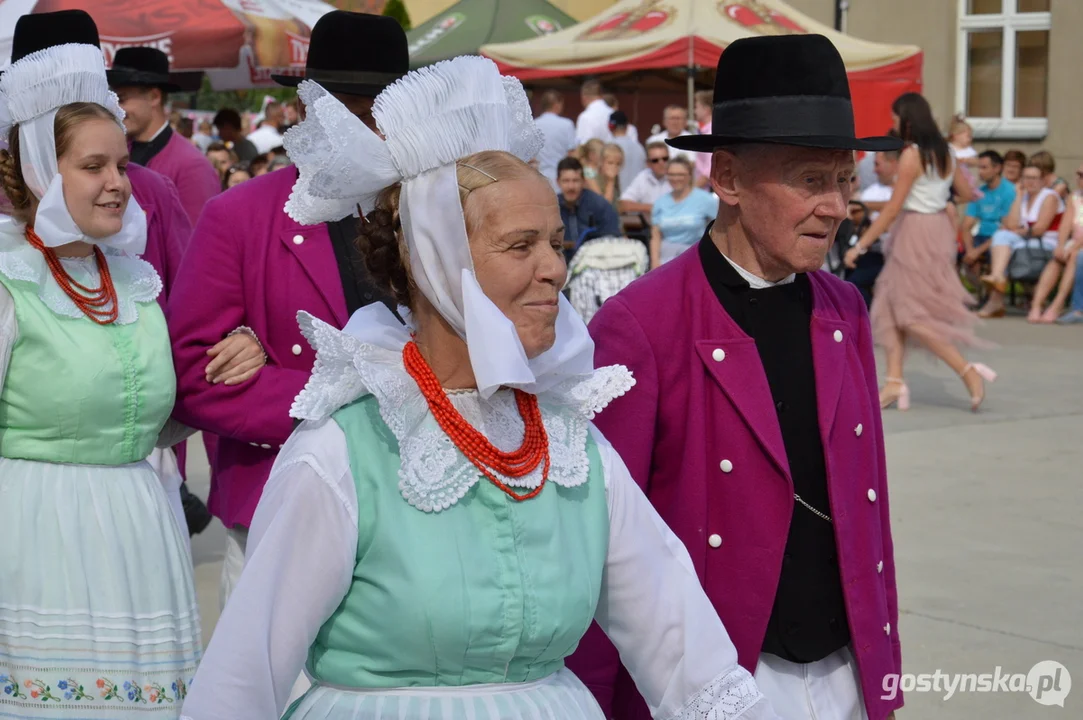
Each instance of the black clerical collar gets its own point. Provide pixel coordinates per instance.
(716, 266)
(143, 152)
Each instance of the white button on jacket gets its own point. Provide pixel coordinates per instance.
(298, 239)
(296, 349)
(719, 355)
(872, 495)
(838, 336)
(715, 541)
(726, 466)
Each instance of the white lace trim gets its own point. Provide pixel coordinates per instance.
(726, 697)
(135, 280)
(433, 474)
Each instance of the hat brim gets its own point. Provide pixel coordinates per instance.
(362, 89)
(710, 143)
(138, 78)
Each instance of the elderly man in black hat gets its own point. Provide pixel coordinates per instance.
(250, 269)
(140, 78)
(754, 426)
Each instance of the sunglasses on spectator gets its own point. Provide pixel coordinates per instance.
(660, 159)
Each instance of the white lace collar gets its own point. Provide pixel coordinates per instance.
(135, 280)
(433, 474)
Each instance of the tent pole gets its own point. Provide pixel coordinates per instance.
(691, 92)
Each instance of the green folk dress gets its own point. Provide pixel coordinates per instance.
(98, 614)
(409, 587)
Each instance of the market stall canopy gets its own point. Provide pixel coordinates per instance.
(637, 35)
(241, 43)
(469, 24)
(422, 11)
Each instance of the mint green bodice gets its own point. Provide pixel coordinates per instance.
(81, 393)
(489, 590)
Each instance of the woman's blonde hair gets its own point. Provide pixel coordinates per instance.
(11, 172)
(590, 148)
(380, 238)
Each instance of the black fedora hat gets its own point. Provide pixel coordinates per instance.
(141, 67)
(784, 90)
(354, 54)
(46, 30)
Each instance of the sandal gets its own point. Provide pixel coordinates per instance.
(986, 374)
(900, 396)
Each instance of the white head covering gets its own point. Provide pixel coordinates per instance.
(431, 118)
(31, 91)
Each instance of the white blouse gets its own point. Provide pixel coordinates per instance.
(300, 561)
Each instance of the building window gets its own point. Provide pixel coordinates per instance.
(1003, 67)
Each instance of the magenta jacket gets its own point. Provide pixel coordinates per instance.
(249, 265)
(700, 435)
(168, 227)
(192, 173)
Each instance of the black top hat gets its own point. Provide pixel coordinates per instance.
(37, 32)
(785, 90)
(354, 54)
(141, 67)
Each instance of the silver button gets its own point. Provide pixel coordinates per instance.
(296, 349)
(872, 495)
(859, 429)
(265, 446)
(880, 566)
(719, 355)
(887, 629)
(254, 444)
(726, 466)
(298, 239)
(838, 336)
(715, 541)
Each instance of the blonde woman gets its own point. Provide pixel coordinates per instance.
(607, 183)
(590, 155)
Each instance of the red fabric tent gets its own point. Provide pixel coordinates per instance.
(641, 35)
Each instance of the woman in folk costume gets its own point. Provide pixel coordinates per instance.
(98, 613)
(443, 528)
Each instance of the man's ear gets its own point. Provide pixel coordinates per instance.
(724, 166)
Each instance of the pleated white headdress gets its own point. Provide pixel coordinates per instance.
(430, 119)
(32, 89)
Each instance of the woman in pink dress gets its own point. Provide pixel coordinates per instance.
(918, 297)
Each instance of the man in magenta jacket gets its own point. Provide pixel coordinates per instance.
(250, 268)
(754, 426)
(140, 77)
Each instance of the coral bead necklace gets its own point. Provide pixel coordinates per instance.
(475, 446)
(100, 303)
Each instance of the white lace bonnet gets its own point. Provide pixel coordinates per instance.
(32, 89)
(431, 118)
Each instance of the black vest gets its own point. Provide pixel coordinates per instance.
(808, 619)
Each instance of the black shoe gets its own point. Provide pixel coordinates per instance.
(196, 513)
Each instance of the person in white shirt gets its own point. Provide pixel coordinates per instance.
(614, 105)
(593, 122)
(875, 197)
(635, 157)
(559, 134)
(649, 184)
(267, 137)
(675, 121)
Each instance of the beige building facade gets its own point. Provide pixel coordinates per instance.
(1013, 67)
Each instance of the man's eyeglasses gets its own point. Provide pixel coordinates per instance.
(659, 159)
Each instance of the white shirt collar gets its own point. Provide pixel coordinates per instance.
(160, 131)
(754, 281)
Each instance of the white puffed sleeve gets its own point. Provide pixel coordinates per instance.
(656, 613)
(299, 564)
(9, 331)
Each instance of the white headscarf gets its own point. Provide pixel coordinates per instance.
(431, 118)
(31, 91)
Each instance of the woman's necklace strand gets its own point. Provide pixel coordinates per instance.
(474, 445)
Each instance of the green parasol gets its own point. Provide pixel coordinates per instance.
(467, 25)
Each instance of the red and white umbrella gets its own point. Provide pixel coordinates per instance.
(240, 43)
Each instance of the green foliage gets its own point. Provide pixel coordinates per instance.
(241, 100)
(397, 10)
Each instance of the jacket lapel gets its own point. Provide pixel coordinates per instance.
(311, 246)
(831, 339)
(734, 363)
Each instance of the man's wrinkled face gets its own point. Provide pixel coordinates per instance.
(791, 201)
